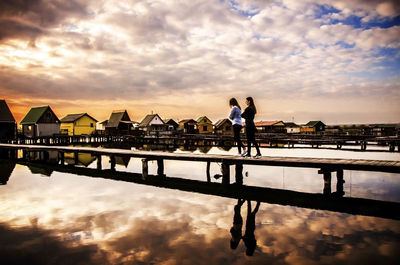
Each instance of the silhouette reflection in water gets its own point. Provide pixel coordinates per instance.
(236, 230)
(249, 238)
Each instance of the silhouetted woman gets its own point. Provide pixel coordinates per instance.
(236, 117)
(236, 229)
(248, 115)
(249, 237)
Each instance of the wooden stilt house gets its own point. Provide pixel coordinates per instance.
(8, 125)
(119, 123)
(78, 124)
(39, 122)
(205, 125)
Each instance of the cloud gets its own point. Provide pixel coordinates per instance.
(159, 53)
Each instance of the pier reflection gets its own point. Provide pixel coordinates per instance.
(319, 201)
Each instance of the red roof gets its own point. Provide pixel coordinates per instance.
(266, 123)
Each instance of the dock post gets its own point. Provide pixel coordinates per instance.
(62, 157)
(112, 162)
(76, 160)
(99, 166)
(327, 180)
(208, 171)
(160, 170)
(340, 182)
(145, 168)
(239, 174)
(225, 173)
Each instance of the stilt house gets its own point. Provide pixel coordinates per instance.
(78, 124)
(8, 125)
(205, 125)
(119, 123)
(39, 122)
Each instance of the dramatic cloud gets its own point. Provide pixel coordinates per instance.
(185, 59)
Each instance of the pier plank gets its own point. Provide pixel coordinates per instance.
(348, 164)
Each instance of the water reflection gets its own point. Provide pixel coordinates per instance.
(249, 238)
(6, 168)
(73, 219)
(79, 159)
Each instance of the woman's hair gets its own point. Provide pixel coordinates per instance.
(250, 99)
(233, 102)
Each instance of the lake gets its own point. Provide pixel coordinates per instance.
(50, 217)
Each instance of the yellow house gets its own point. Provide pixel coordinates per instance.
(204, 125)
(78, 124)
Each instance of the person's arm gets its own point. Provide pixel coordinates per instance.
(232, 114)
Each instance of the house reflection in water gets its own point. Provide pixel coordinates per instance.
(83, 159)
(122, 160)
(6, 168)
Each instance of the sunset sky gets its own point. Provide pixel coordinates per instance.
(336, 61)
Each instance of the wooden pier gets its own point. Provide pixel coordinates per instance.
(360, 143)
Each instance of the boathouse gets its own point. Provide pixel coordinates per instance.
(153, 124)
(223, 126)
(39, 122)
(313, 127)
(173, 125)
(205, 125)
(78, 124)
(292, 127)
(119, 123)
(8, 125)
(188, 126)
(270, 126)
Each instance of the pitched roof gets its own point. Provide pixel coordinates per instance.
(202, 118)
(74, 117)
(171, 122)
(35, 114)
(313, 123)
(221, 122)
(5, 113)
(291, 124)
(146, 121)
(266, 123)
(187, 120)
(116, 117)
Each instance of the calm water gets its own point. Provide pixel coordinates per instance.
(48, 217)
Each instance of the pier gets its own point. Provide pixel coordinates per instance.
(325, 166)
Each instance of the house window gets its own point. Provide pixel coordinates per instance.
(204, 128)
(91, 125)
(29, 128)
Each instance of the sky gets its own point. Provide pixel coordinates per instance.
(335, 61)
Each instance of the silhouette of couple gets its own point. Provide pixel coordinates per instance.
(236, 230)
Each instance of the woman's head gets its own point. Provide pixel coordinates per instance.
(250, 103)
(233, 102)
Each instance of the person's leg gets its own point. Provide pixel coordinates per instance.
(250, 136)
(236, 136)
